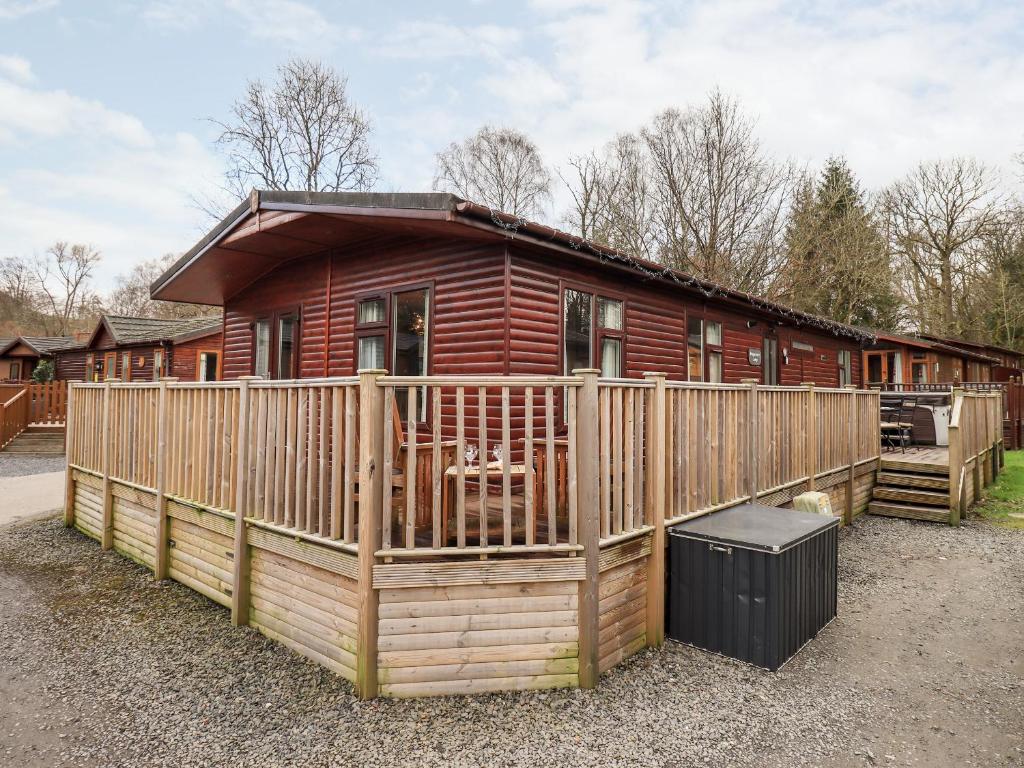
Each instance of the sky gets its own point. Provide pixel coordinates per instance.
(105, 106)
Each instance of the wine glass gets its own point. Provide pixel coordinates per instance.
(471, 452)
(498, 455)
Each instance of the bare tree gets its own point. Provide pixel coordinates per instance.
(301, 133)
(62, 279)
(722, 200)
(936, 217)
(497, 167)
(692, 190)
(130, 295)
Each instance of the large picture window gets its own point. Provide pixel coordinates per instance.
(695, 348)
(261, 351)
(845, 367)
(275, 342)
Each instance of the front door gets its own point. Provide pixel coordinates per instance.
(770, 361)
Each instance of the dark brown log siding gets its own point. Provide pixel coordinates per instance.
(467, 304)
(70, 366)
(475, 329)
(184, 356)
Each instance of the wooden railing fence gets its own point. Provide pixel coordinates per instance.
(49, 402)
(14, 417)
(975, 447)
(542, 478)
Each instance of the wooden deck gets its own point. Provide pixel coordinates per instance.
(919, 458)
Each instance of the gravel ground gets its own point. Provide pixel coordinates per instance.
(102, 666)
(15, 465)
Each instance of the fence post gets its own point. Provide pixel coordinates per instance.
(854, 443)
(162, 523)
(371, 508)
(69, 479)
(589, 525)
(107, 532)
(811, 445)
(240, 585)
(956, 457)
(656, 462)
(975, 446)
(753, 435)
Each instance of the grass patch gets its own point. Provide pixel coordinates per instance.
(1004, 499)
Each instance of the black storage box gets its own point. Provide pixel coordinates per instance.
(752, 582)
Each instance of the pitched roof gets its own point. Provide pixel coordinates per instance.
(931, 343)
(434, 210)
(43, 345)
(144, 330)
(974, 344)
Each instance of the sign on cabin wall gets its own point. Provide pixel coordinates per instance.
(754, 356)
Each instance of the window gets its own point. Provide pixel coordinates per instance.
(126, 366)
(845, 361)
(90, 367)
(371, 333)
(207, 365)
(158, 364)
(261, 353)
(110, 365)
(713, 337)
(577, 327)
(695, 348)
(409, 340)
(583, 338)
(15, 372)
(285, 347)
(770, 361)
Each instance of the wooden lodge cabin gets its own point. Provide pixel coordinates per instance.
(20, 355)
(894, 360)
(323, 284)
(1009, 363)
(143, 348)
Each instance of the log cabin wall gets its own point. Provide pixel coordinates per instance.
(184, 356)
(496, 310)
(467, 304)
(70, 365)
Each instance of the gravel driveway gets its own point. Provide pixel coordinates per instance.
(19, 465)
(101, 666)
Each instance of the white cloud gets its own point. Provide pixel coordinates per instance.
(434, 40)
(885, 84)
(14, 9)
(175, 15)
(27, 113)
(290, 22)
(16, 68)
(83, 172)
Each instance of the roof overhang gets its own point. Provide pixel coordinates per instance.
(274, 227)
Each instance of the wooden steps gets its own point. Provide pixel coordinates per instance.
(908, 480)
(909, 511)
(902, 465)
(38, 441)
(911, 490)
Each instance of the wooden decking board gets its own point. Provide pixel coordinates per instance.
(915, 466)
(911, 480)
(910, 511)
(913, 496)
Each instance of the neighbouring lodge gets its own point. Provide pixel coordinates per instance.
(144, 349)
(895, 359)
(19, 356)
(322, 284)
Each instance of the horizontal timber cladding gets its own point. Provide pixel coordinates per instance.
(201, 551)
(467, 326)
(308, 609)
(184, 357)
(88, 504)
(655, 326)
(134, 517)
(622, 611)
(478, 638)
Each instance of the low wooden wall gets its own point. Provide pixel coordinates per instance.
(475, 628)
(622, 605)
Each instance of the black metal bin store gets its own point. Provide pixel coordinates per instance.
(752, 582)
